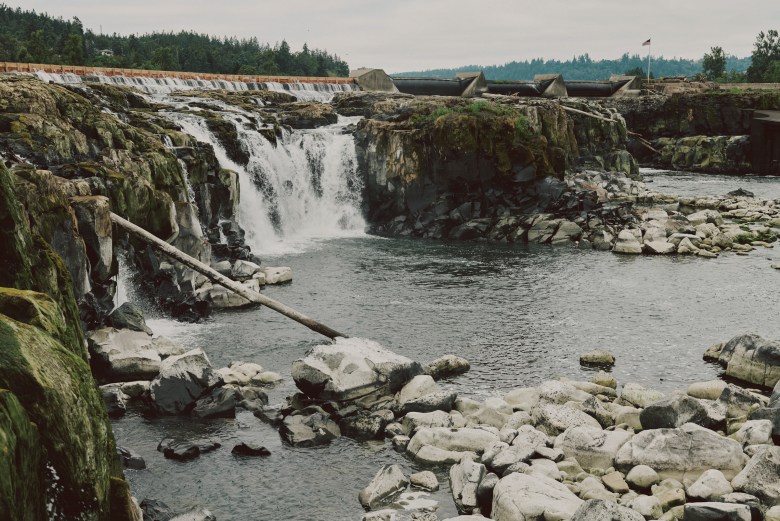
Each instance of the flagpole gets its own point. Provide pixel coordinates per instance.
(649, 46)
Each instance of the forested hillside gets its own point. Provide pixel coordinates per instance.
(585, 68)
(26, 36)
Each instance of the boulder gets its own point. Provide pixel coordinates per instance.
(598, 357)
(615, 482)
(114, 399)
(558, 392)
(244, 270)
(423, 394)
(352, 368)
(761, 477)
(183, 379)
(250, 448)
(627, 242)
(130, 459)
(553, 419)
(521, 497)
(363, 426)
(648, 506)
(128, 316)
(523, 399)
(277, 275)
(592, 447)
(674, 412)
(638, 396)
(425, 480)
(219, 403)
(659, 247)
(660, 450)
(509, 456)
(601, 510)
(712, 485)
(181, 451)
(465, 478)
(716, 512)
(710, 390)
(755, 432)
(443, 445)
(416, 420)
(447, 366)
(753, 359)
(122, 355)
(310, 427)
(387, 483)
(642, 477)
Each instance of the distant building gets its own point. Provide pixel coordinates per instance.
(105, 52)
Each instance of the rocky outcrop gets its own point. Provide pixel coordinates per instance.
(753, 359)
(43, 363)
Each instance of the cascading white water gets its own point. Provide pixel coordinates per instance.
(303, 189)
(323, 92)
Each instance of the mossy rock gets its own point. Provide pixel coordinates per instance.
(33, 308)
(22, 463)
(57, 390)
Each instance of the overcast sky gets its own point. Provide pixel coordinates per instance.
(402, 35)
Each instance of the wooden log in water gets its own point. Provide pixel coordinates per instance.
(222, 280)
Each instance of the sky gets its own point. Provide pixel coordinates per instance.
(410, 35)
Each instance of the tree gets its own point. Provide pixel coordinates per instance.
(713, 64)
(766, 50)
(36, 46)
(73, 53)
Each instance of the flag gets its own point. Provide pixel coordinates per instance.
(646, 43)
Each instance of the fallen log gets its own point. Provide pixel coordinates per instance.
(222, 280)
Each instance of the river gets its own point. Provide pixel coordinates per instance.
(520, 314)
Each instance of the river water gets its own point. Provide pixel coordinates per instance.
(519, 313)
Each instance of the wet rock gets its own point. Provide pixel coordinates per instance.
(250, 448)
(658, 449)
(447, 366)
(716, 512)
(522, 496)
(352, 368)
(250, 398)
(761, 477)
(602, 510)
(598, 357)
(465, 477)
(220, 403)
(309, 428)
(183, 379)
(208, 446)
(753, 359)
(135, 389)
(388, 482)
(130, 459)
(442, 445)
(425, 480)
(604, 379)
(156, 510)
(123, 355)
(241, 373)
(592, 447)
(128, 316)
(181, 451)
(558, 392)
(711, 486)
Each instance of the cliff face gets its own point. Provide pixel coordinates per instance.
(56, 440)
(703, 131)
(431, 163)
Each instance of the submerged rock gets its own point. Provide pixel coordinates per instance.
(310, 427)
(447, 366)
(250, 448)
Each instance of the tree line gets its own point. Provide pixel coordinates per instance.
(29, 37)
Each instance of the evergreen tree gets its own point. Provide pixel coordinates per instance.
(73, 54)
(713, 64)
(766, 52)
(37, 48)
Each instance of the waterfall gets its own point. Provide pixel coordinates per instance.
(303, 189)
(323, 92)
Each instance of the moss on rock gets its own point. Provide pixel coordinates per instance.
(22, 463)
